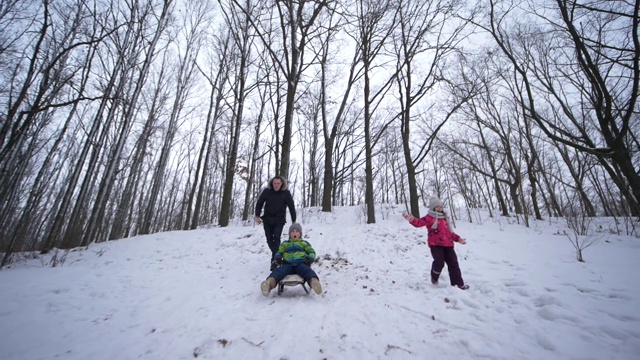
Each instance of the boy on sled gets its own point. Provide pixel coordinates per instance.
(296, 256)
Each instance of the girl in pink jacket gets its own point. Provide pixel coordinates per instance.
(440, 239)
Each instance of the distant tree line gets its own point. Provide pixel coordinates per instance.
(132, 117)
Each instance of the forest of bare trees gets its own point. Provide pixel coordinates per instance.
(132, 117)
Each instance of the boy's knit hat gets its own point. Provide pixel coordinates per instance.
(433, 202)
(295, 226)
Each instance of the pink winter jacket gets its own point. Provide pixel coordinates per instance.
(442, 236)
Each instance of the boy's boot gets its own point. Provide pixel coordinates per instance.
(315, 285)
(267, 286)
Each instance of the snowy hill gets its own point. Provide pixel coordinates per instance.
(196, 294)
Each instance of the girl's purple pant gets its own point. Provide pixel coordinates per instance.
(446, 255)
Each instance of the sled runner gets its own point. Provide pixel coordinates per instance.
(292, 280)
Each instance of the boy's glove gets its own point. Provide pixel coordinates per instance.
(308, 261)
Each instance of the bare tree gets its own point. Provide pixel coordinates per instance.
(123, 217)
(217, 81)
(296, 27)
(309, 124)
(47, 77)
(428, 33)
(331, 131)
(67, 35)
(241, 31)
(579, 227)
(251, 188)
(96, 221)
(492, 144)
(580, 66)
(59, 73)
(578, 167)
(376, 22)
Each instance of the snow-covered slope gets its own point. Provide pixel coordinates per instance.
(196, 294)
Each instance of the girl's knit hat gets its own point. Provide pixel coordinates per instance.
(433, 202)
(297, 227)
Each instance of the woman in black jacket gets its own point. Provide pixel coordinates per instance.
(275, 198)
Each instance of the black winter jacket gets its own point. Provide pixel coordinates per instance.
(275, 205)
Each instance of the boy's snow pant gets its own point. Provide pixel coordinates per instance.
(442, 255)
(273, 233)
(302, 269)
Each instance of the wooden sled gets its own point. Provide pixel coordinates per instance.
(292, 280)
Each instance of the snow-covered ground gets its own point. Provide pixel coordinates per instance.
(196, 294)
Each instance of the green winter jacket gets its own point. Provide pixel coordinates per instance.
(295, 251)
